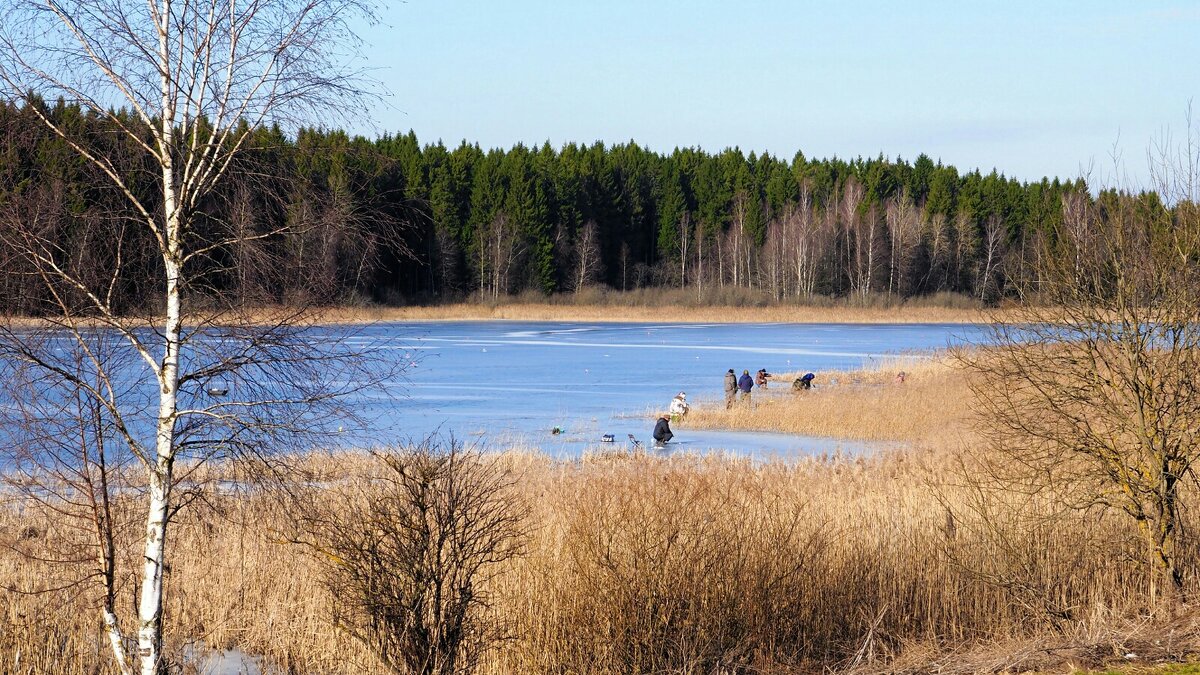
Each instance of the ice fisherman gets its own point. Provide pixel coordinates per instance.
(730, 388)
(803, 382)
(662, 432)
(761, 377)
(679, 407)
(745, 385)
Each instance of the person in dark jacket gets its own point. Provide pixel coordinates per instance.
(803, 382)
(662, 432)
(730, 388)
(745, 385)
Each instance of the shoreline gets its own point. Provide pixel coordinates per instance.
(589, 313)
(647, 314)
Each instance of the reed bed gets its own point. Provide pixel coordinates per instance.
(932, 405)
(645, 564)
(634, 306)
(672, 306)
(652, 314)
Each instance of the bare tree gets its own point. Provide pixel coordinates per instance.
(995, 240)
(1093, 383)
(774, 269)
(410, 549)
(739, 245)
(588, 263)
(498, 250)
(903, 219)
(860, 237)
(936, 236)
(196, 78)
(813, 237)
(685, 220)
(966, 246)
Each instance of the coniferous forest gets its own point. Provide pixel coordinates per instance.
(323, 216)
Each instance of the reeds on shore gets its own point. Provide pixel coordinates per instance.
(638, 563)
(930, 404)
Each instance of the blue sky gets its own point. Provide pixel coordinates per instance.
(1028, 88)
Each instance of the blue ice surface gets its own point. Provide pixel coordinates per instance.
(499, 383)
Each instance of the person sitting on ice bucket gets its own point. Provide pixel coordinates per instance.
(662, 432)
(679, 407)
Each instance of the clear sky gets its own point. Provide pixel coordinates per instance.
(1028, 88)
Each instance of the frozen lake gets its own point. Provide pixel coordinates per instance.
(503, 382)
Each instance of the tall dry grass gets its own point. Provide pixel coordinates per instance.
(932, 405)
(648, 564)
(594, 305)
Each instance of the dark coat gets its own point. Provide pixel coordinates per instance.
(662, 431)
(746, 383)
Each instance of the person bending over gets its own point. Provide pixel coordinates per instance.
(803, 382)
(679, 407)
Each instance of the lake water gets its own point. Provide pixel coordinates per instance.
(505, 382)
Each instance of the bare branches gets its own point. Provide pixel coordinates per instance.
(410, 551)
(1095, 386)
(200, 76)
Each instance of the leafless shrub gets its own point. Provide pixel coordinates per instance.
(411, 551)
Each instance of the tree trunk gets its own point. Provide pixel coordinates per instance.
(161, 480)
(160, 474)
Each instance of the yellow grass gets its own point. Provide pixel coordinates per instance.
(597, 313)
(931, 405)
(643, 564)
(636, 563)
(534, 311)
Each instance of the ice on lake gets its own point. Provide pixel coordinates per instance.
(504, 382)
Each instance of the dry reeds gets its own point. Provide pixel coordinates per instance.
(933, 401)
(672, 306)
(638, 564)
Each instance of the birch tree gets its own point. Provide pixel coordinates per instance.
(588, 262)
(198, 77)
(995, 235)
(903, 219)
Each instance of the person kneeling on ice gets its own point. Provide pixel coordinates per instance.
(662, 432)
(761, 377)
(679, 407)
(803, 382)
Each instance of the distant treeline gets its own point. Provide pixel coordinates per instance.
(330, 217)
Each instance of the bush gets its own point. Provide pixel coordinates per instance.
(409, 553)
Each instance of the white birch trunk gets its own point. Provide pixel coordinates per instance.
(116, 640)
(160, 474)
(683, 249)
